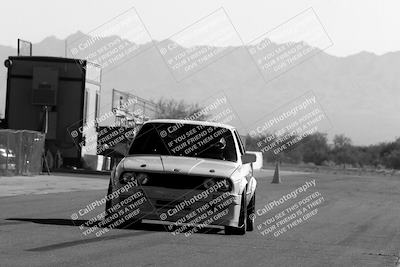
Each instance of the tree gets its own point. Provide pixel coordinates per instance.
(343, 151)
(393, 159)
(341, 141)
(315, 148)
(390, 154)
(173, 109)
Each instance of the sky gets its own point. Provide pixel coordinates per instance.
(352, 25)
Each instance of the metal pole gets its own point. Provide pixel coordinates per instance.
(112, 100)
(46, 110)
(8, 144)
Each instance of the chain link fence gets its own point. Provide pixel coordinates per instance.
(21, 152)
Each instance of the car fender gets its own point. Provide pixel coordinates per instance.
(239, 182)
(251, 188)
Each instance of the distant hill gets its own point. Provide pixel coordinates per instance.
(359, 93)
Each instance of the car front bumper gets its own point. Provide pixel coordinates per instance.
(180, 206)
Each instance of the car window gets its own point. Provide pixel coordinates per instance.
(147, 141)
(187, 140)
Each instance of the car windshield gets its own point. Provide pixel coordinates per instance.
(188, 140)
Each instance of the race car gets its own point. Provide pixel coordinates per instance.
(189, 174)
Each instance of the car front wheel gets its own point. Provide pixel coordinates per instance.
(108, 201)
(251, 209)
(133, 223)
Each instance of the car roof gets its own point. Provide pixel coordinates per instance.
(204, 123)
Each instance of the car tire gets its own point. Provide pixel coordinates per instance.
(251, 209)
(125, 224)
(241, 230)
(108, 201)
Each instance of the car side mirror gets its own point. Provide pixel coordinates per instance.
(248, 158)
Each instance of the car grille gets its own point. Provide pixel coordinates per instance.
(177, 181)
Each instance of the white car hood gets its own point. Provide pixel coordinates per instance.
(180, 165)
(145, 163)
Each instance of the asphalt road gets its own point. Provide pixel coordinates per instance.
(357, 223)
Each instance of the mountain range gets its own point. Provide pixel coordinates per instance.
(360, 94)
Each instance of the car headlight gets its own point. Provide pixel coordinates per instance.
(143, 178)
(208, 183)
(226, 186)
(127, 177)
(222, 185)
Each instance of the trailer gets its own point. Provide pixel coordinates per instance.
(56, 96)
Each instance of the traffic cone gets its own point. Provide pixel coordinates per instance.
(277, 177)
